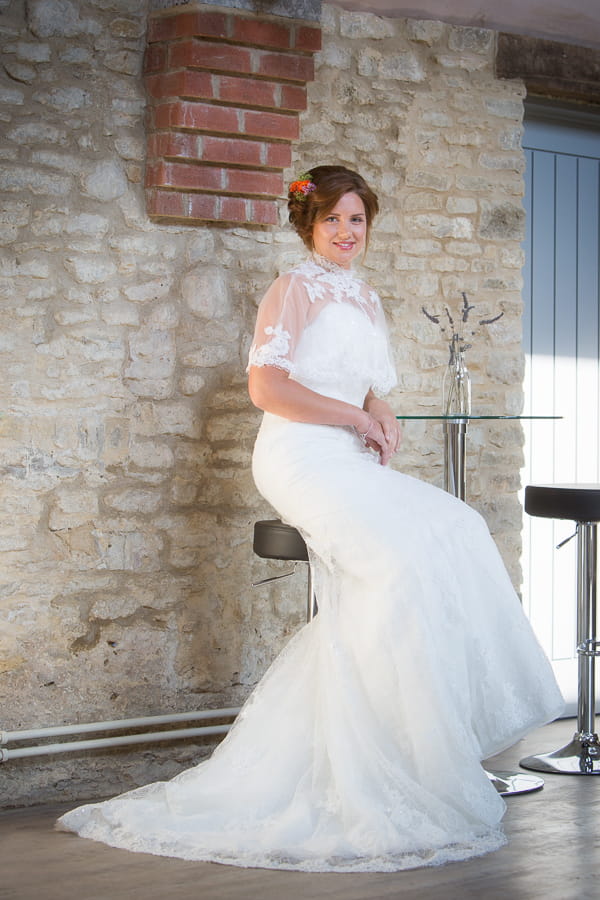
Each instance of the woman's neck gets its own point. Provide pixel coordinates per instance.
(329, 265)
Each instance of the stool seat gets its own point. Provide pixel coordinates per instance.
(578, 502)
(275, 540)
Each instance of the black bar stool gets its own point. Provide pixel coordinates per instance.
(275, 540)
(580, 503)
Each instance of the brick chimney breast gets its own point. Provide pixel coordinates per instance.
(225, 89)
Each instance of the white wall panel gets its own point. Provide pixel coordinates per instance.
(562, 371)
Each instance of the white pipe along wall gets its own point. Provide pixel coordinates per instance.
(144, 737)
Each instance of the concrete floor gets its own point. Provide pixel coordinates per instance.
(553, 854)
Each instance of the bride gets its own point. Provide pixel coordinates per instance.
(360, 749)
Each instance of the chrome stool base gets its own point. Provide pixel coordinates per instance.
(507, 783)
(580, 757)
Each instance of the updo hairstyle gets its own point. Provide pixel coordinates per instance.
(332, 182)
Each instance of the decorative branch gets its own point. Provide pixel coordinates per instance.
(457, 340)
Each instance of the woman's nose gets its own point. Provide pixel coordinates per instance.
(343, 229)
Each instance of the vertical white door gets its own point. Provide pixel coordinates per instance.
(562, 353)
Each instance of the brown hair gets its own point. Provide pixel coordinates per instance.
(331, 183)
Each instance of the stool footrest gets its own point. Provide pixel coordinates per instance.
(579, 757)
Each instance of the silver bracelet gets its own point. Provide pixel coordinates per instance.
(364, 436)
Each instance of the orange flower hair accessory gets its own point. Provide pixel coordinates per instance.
(303, 186)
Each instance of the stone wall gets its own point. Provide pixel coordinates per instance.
(126, 432)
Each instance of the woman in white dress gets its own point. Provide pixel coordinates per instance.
(361, 748)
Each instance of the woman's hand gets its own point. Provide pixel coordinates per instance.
(386, 435)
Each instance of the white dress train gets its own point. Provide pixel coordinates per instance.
(360, 750)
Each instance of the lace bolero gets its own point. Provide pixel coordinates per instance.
(326, 328)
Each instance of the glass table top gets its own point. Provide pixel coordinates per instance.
(470, 417)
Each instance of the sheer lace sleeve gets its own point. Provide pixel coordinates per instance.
(282, 316)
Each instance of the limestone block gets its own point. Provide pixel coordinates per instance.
(127, 62)
(72, 508)
(88, 224)
(506, 369)
(428, 179)
(183, 493)
(90, 270)
(176, 418)
(449, 264)
(47, 18)
(336, 56)
(130, 28)
(206, 292)
(133, 501)
(228, 427)
(463, 248)
(152, 355)
(210, 356)
(191, 383)
(505, 107)
(510, 162)
(131, 552)
(322, 132)
(130, 148)
(106, 181)
(420, 246)
(364, 26)
(406, 263)
(475, 40)
(424, 200)
(470, 63)
(65, 100)
(20, 72)
(22, 178)
(440, 226)
(152, 455)
(425, 31)
(200, 247)
(512, 257)
(150, 290)
(502, 221)
(475, 183)
(11, 96)
(151, 388)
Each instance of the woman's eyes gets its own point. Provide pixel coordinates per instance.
(356, 220)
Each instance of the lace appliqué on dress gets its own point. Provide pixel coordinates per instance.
(274, 352)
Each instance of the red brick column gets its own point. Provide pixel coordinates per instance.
(225, 91)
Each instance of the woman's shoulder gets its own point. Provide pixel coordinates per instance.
(301, 279)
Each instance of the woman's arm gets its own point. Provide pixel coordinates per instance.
(272, 390)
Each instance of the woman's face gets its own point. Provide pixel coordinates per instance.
(341, 235)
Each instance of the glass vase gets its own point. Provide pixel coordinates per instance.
(456, 386)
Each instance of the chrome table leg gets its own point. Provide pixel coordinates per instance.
(455, 438)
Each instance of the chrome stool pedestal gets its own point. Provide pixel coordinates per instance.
(581, 503)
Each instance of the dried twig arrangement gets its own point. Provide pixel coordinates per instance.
(453, 332)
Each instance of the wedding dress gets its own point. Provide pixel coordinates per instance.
(360, 749)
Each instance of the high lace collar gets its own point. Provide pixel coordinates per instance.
(330, 266)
